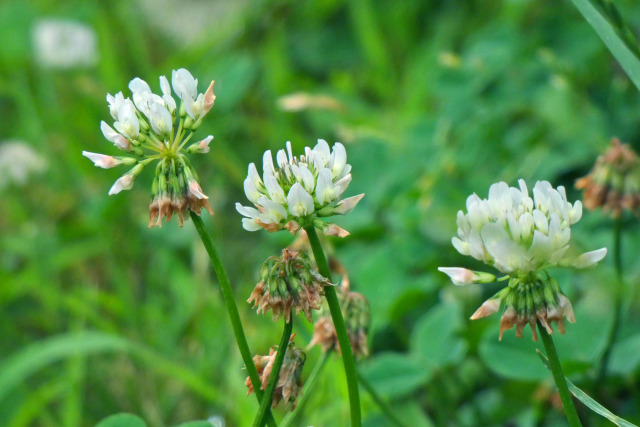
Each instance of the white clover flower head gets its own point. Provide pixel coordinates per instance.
(297, 191)
(521, 236)
(148, 129)
(518, 234)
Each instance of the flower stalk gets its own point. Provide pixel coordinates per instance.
(227, 295)
(558, 376)
(260, 419)
(338, 321)
(617, 309)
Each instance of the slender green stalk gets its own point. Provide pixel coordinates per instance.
(617, 308)
(558, 376)
(306, 392)
(273, 377)
(227, 295)
(341, 329)
(386, 409)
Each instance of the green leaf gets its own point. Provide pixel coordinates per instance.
(395, 374)
(512, 357)
(196, 424)
(587, 400)
(435, 337)
(628, 61)
(122, 420)
(625, 356)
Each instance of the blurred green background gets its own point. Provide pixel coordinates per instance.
(434, 100)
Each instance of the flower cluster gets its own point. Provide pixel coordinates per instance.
(521, 237)
(152, 127)
(357, 317)
(290, 376)
(614, 181)
(298, 191)
(287, 282)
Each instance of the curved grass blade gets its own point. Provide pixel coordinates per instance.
(589, 401)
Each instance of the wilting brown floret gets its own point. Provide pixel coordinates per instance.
(614, 181)
(287, 282)
(528, 302)
(290, 377)
(356, 313)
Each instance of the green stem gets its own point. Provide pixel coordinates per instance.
(308, 387)
(227, 295)
(558, 376)
(618, 291)
(386, 409)
(273, 376)
(341, 329)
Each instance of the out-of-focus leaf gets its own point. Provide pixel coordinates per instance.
(122, 420)
(628, 61)
(589, 401)
(512, 357)
(435, 336)
(196, 424)
(395, 374)
(625, 356)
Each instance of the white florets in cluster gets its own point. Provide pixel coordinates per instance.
(519, 234)
(151, 127)
(297, 191)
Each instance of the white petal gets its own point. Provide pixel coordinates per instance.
(459, 276)
(325, 190)
(338, 160)
(346, 205)
(251, 191)
(276, 193)
(102, 160)
(247, 211)
(164, 86)
(299, 201)
(275, 211)
(267, 164)
(125, 182)
(112, 136)
(589, 258)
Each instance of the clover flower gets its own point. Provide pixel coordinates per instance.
(298, 191)
(614, 181)
(151, 127)
(356, 312)
(521, 237)
(287, 282)
(290, 376)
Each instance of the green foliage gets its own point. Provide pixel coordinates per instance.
(436, 100)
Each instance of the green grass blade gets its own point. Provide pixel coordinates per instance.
(628, 61)
(16, 368)
(589, 401)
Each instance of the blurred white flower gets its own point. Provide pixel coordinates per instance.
(301, 101)
(18, 161)
(298, 191)
(62, 43)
